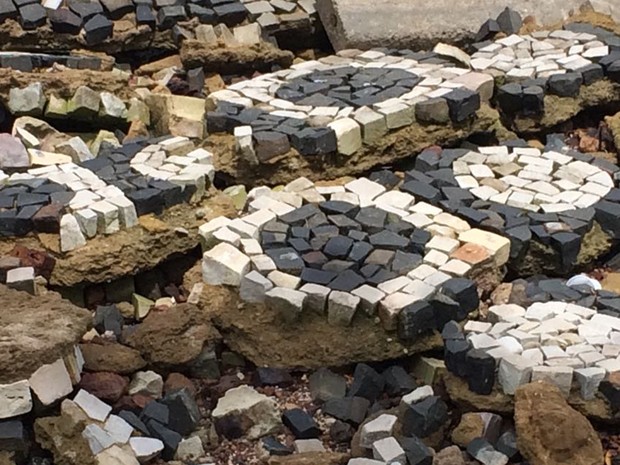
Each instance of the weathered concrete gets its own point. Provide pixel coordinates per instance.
(415, 23)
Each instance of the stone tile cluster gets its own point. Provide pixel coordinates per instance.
(85, 105)
(559, 341)
(155, 430)
(46, 386)
(95, 19)
(552, 196)
(352, 249)
(281, 15)
(555, 62)
(338, 103)
(26, 62)
(101, 195)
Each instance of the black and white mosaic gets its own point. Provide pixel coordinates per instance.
(105, 194)
(351, 250)
(548, 62)
(569, 334)
(552, 196)
(339, 103)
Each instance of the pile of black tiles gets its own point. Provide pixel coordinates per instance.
(169, 419)
(32, 205)
(432, 180)
(342, 246)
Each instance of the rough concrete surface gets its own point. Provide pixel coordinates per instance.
(415, 23)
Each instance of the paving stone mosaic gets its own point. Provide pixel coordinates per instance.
(552, 196)
(340, 102)
(548, 62)
(95, 19)
(569, 335)
(350, 250)
(105, 194)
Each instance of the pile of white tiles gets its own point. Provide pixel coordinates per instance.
(539, 55)
(555, 341)
(532, 179)
(234, 256)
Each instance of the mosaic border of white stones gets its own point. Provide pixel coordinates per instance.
(233, 255)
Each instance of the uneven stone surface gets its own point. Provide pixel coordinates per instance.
(111, 257)
(26, 343)
(353, 24)
(227, 60)
(549, 431)
(264, 340)
(173, 337)
(396, 145)
(596, 409)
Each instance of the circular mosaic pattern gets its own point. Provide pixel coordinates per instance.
(527, 178)
(348, 86)
(351, 249)
(540, 55)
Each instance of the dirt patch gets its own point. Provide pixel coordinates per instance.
(233, 60)
(105, 258)
(35, 331)
(395, 146)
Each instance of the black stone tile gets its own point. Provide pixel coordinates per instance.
(415, 320)
(565, 85)
(315, 276)
(372, 219)
(146, 201)
(338, 207)
(116, 9)
(168, 16)
(339, 266)
(301, 424)
(298, 216)
(367, 383)
(421, 190)
(346, 281)
(146, 16)
(287, 260)
(97, 29)
(231, 14)
(480, 371)
(425, 417)
(463, 103)
(314, 141)
(32, 16)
